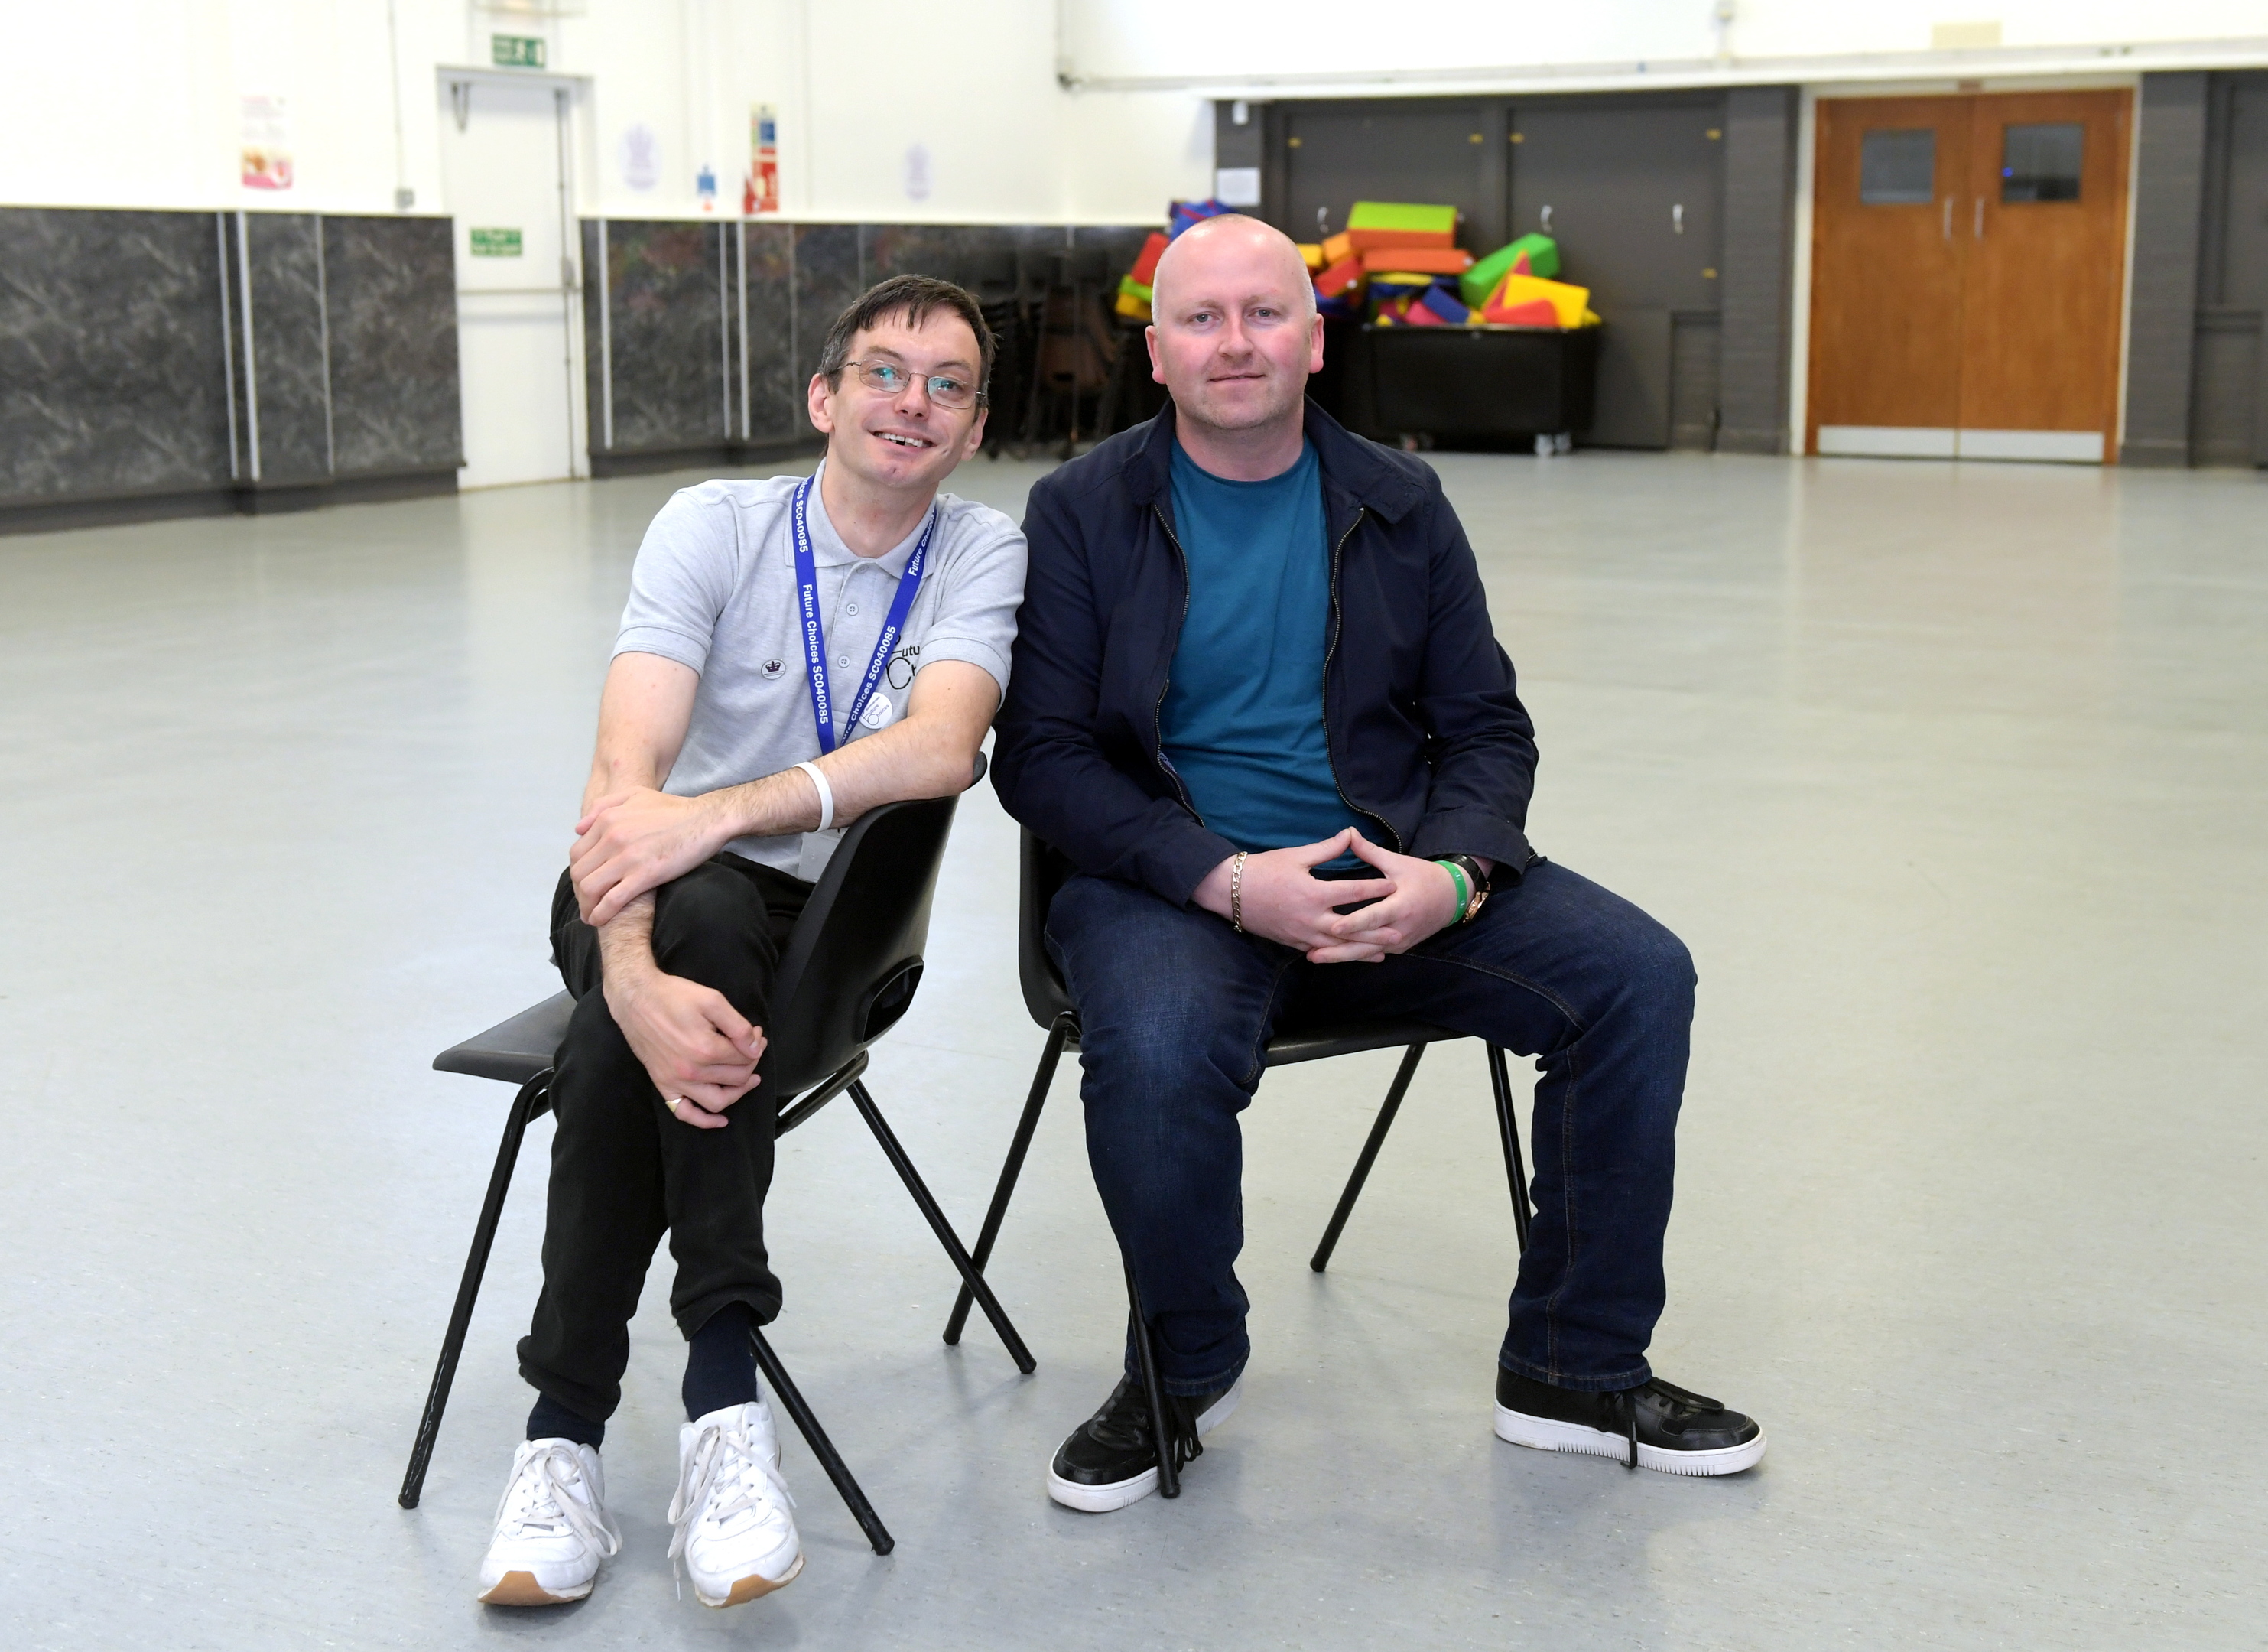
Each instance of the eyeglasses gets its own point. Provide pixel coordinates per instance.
(891, 378)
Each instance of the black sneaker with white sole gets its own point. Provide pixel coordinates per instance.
(1656, 1424)
(1111, 1459)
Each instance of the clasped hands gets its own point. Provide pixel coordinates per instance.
(700, 1051)
(1410, 900)
(632, 841)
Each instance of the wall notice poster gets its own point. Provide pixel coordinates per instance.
(265, 143)
(641, 156)
(761, 192)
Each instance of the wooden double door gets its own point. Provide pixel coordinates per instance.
(1968, 263)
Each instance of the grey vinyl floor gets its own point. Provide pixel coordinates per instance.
(1953, 778)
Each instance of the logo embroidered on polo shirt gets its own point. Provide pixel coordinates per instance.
(773, 667)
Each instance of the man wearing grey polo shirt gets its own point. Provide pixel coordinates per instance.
(794, 654)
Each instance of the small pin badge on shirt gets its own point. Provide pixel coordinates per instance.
(773, 668)
(877, 711)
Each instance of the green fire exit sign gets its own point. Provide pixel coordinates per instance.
(496, 243)
(516, 51)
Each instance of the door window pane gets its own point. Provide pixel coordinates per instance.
(1897, 166)
(2041, 163)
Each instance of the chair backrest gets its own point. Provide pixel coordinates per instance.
(855, 957)
(1044, 871)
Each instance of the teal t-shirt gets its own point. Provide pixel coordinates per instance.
(1243, 718)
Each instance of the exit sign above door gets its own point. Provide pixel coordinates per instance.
(516, 51)
(496, 243)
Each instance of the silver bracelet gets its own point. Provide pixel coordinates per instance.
(826, 794)
(1236, 891)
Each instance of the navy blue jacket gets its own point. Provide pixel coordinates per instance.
(1429, 742)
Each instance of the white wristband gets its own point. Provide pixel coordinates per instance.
(826, 794)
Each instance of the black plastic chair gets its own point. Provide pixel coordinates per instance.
(1045, 871)
(848, 974)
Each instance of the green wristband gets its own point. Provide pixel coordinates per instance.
(1464, 889)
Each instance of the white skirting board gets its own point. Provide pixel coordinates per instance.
(1914, 441)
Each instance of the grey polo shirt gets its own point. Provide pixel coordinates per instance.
(714, 588)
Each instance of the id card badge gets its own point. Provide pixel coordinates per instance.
(818, 848)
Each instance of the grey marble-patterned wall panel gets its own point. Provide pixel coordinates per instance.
(1120, 243)
(288, 349)
(776, 399)
(111, 378)
(828, 275)
(972, 254)
(594, 335)
(668, 336)
(392, 288)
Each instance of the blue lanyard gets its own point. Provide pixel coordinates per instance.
(814, 632)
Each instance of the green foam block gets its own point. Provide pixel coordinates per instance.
(1543, 260)
(1403, 215)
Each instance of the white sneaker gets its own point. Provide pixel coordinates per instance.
(734, 1532)
(551, 1528)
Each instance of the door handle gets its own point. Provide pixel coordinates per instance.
(1677, 219)
(1948, 217)
(1978, 232)
(1547, 220)
(1322, 223)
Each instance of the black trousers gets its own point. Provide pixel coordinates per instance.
(623, 1170)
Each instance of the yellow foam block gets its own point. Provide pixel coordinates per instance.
(1312, 252)
(1567, 301)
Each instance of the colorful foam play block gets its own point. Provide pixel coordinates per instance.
(1130, 288)
(1542, 252)
(1337, 278)
(1336, 249)
(1420, 314)
(1311, 254)
(1534, 313)
(1400, 224)
(1132, 308)
(1529, 255)
(1442, 304)
(1567, 302)
(1145, 261)
(1433, 260)
(1183, 215)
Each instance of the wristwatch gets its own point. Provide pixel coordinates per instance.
(1474, 877)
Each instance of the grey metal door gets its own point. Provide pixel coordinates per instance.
(2236, 274)
(1630, 191)
(1444, 151)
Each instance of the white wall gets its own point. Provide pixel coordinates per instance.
(1217, 43)
(135, 103)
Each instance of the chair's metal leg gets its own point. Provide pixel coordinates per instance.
(1146, 1355)
(1012, 1167)
(1362, 1164)
(942, 1228)
(821, 1447)
(468, 1288)
(1514, 1171)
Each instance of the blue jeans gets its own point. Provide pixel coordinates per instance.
(1176, 1011)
